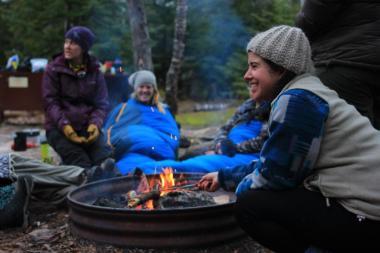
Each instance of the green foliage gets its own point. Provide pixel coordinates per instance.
(5, 35)
(36, 28)
(257, 16)
(194, 120)
(217, 33)
(109, 20)
(160, 19)
(235, 69)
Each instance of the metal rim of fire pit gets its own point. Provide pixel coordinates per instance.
(193, 227)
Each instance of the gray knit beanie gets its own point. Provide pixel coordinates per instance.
(284, 45)
(142, 77)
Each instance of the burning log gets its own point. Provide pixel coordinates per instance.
(143, 197)
(156, 192)
(135, 200)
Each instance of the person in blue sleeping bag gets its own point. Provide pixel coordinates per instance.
(142, 129)
(238, 142)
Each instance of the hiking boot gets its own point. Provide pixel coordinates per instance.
(15, 213)
(107, 169)
(94, 174)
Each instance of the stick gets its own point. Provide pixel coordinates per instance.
(181, 187)
(142, 198)
(154, 194)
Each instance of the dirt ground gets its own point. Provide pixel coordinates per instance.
(49, 226)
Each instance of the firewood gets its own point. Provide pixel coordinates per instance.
(143, 197)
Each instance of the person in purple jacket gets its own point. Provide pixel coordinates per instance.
(76, 102)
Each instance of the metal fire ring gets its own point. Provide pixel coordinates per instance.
(193, 227)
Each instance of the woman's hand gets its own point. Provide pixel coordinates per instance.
(209, 182)
(217, 149)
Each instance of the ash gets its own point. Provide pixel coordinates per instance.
(171, 200)
(183, 199)
(113, 201)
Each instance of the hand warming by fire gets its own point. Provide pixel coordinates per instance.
(209, 182)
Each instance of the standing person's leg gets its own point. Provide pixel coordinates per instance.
(101, 159)
(292, 220)
(99, 150)
(376, 105)
(70, 153)
(352, 85)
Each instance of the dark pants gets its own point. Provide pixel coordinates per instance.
(359, 87)
(84, 156)
(293, 220)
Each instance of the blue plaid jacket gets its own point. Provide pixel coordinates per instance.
(296, 126)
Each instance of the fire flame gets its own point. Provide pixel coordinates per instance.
(149, 205)
(167, 179)
(166, 182)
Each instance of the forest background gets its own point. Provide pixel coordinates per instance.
(217, 32)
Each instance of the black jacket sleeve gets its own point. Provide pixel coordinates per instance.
(316, 15)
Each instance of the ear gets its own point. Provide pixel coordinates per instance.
(280, 73)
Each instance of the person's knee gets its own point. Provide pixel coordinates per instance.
(249, 207)
(76, 157)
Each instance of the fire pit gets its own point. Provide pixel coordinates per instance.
(183, 227)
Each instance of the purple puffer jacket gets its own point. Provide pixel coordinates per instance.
(69, 99)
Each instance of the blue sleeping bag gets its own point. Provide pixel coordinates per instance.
(140, 133)
(210, 163)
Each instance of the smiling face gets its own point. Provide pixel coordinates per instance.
(261, 79)
(144, 93)
(72, 51)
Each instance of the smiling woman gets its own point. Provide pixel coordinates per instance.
(145, 88)
(144, 93)
(316, 180)
(261, 79)
(75, 100)
(143, 129)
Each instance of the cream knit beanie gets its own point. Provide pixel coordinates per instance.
(284, 45)
(142, 77)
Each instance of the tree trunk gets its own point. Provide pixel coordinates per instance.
(142, 55)
(178, 48)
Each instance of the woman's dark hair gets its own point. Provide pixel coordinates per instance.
(286, 77)
(273, 66)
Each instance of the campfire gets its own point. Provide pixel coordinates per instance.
(154, 211)
(159, 192)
